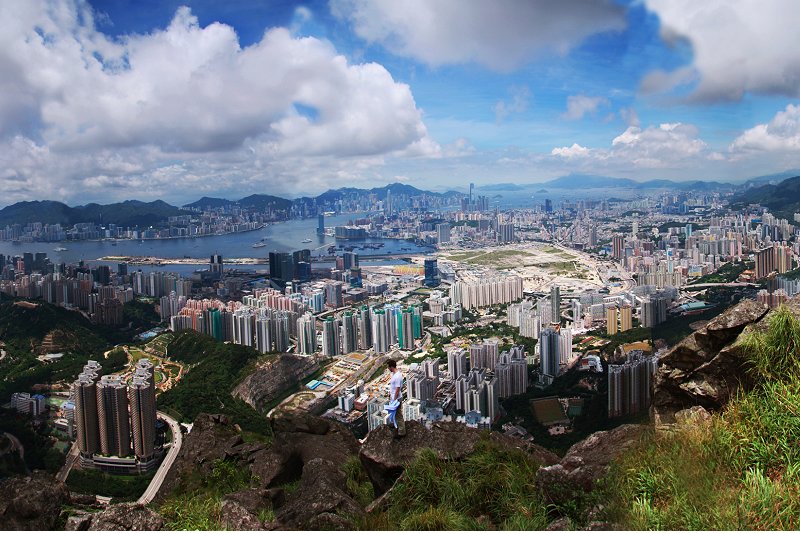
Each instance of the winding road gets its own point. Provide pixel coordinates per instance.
(166, 464)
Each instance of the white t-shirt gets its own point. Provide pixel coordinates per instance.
(394, 384)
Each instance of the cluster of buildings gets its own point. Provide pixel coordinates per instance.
(172, 227)
(476, 289)
(630, 383)
(115, 419)
(28, 404)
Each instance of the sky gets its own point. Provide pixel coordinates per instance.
(107, 100)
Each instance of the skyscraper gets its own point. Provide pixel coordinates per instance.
(457, 362)
(549, 352)
(112, 414)
(330, 337)
(443, 233)
(306, 334)
(142, 399)
(612, 322)
(86, 424)
(431, 273)
(321, 224)
(555, 303)
(215, 265)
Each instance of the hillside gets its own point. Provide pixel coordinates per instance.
(127, 213)
(214, 370)
(782, 199)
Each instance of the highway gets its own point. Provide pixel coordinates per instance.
(166, 464)
(72, 456)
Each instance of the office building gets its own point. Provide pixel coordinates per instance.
(431, 273)
(549, 352)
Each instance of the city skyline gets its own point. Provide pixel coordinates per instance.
(111, 100)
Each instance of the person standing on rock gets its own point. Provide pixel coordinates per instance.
(395, 393)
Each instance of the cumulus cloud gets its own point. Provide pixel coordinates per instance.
(738, 46)
(781, 134)
(500, 35)
(580, 105)
(664, 146)
(518, 103)
(568, 152)
(79, 105)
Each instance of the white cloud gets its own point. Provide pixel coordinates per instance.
(568, 152)
(500, 35)
(79, 107)
(781, 134)
(738, 46)
(520, 95)
(580, 105)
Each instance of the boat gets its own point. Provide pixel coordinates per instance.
(306, 240)
(259, 244)
(60, 249)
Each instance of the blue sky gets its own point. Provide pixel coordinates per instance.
(113, 99)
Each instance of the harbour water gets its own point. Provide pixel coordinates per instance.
(279, 237)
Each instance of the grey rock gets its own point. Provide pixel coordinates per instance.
(585, 463)
(126, 517)
(31, 502)
(235, 517)
(385, 458)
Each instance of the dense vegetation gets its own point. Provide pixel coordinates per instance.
(492, 488)
(119, 487)
(215, 368)
(740, 472)
(782, 199)
(196, 503)
(727, 273)
(22, 329)
(127, 213)
(39, 451)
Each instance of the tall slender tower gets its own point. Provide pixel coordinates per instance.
(141, 393)
(112, 416)
(85, 392)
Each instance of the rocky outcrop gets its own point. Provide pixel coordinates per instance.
(212, 437)
(126, 517)
(32, 502)
(385, 458)
(706, 368)
(585, 463)
(300, 438)
(267, 382)
(321, 501)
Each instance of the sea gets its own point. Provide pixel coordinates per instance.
(285, 236)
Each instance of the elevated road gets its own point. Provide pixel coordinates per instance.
(166, 464)
(72, 457)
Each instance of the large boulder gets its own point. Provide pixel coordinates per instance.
(707, 367)
(213, 437)
(299, 438)
(32, 502)
(385, 458)
(321, 502)
(126, 517)
(586, 462)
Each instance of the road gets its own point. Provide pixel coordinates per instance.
(72, 457)
(166, 464)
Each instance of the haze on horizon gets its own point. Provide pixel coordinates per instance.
(108, 100)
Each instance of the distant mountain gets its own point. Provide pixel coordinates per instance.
(127, 213)
(771, 178)
(587, 181)
(265, 201)
(208, 202)
(397, 189)
(501, 187)
(782, 199)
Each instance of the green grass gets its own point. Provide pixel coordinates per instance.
(492, 488)
(743, 471)
(358, 484)
(196, 502)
